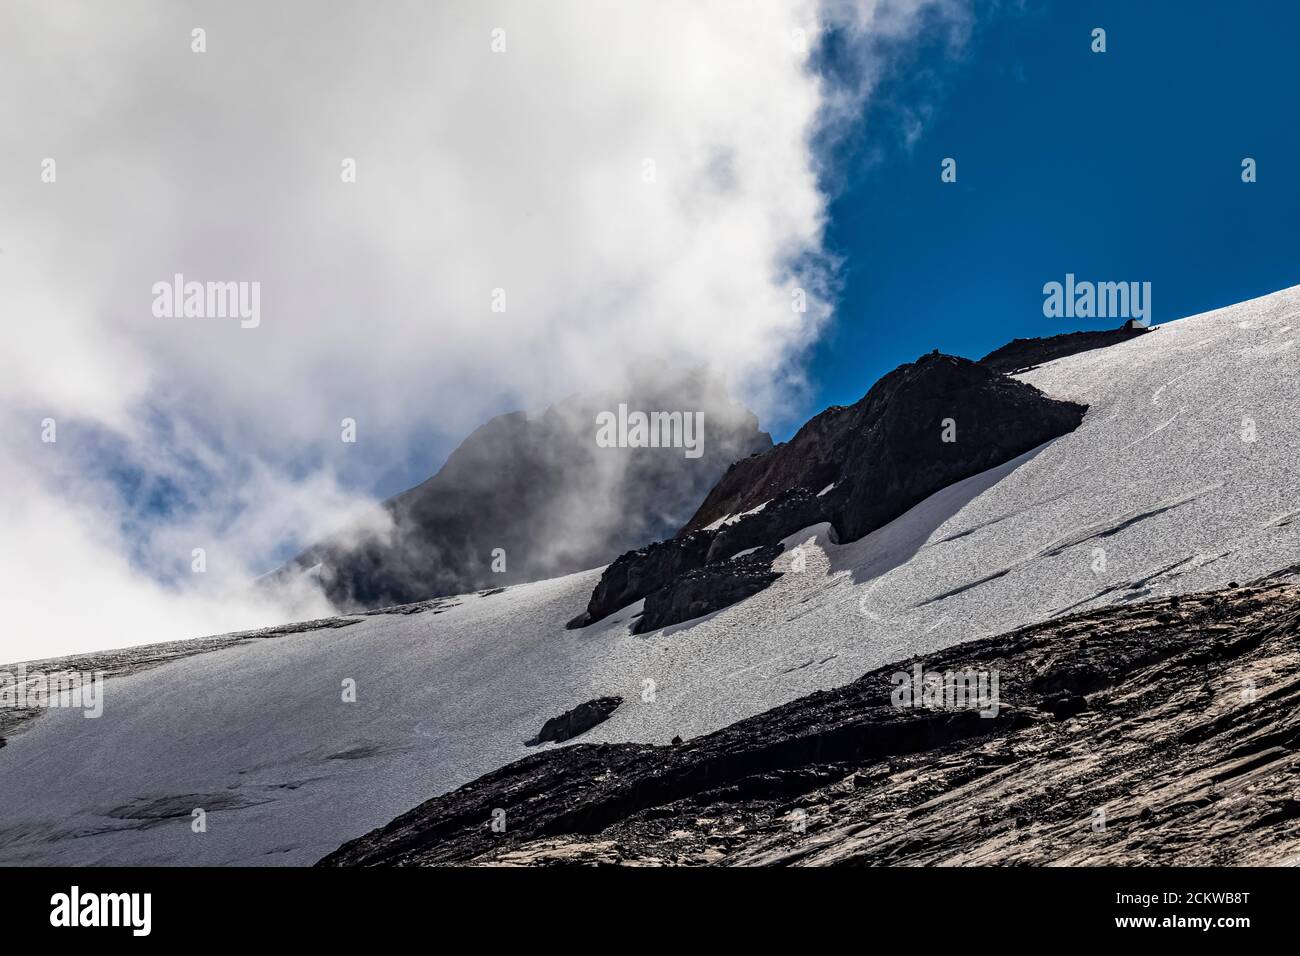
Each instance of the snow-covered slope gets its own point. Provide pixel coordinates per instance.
(1158, 482)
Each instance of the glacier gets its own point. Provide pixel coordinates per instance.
(1182, 477)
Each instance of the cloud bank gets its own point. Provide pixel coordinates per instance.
(544, 195)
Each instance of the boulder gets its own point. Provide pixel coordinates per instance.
(575, 722)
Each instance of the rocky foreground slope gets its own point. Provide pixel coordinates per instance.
(1166, 732)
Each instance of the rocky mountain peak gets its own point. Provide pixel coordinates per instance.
(525, 498)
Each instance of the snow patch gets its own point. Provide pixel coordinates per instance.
(732, 519)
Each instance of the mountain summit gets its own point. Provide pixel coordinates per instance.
(525, 498)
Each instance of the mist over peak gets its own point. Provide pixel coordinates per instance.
(529, 497)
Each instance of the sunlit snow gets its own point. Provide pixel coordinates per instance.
(1160, 490)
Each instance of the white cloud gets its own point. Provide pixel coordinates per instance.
(523, 170)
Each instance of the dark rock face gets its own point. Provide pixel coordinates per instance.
(886, 452)
(636, 574)
(691, 575)
(640, 574)
(922, 427)
(1063, 708)
(790, 512)
(1020, 355)
(573, 723)
(707, 589)
(542, 490)
(898, 455)
(1112, 710)
(812, 459)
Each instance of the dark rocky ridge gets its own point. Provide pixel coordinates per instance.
(707, 589)
(644, 572)
(575, 722)
(1020, 355)
(635, 574)
(786, 514)
(884, 454)
(540, 489)
(1177, 719)
(812, 459)
(897, 456)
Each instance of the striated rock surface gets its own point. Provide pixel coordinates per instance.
(1165, 733)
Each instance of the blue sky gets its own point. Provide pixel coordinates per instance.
(1123, 165)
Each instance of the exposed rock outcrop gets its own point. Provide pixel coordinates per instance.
(891, 449)
(922, 427)
(934, 422)
(812, 459)
(638, 573)
(575, 722)
(1159, 733)
(541, 493)
(1020, 355)
(790, 512)
(707, 589)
